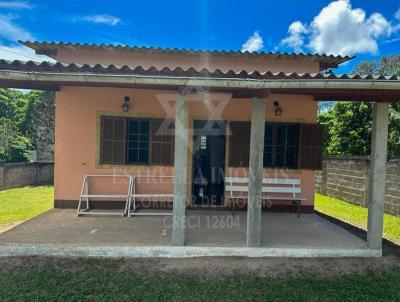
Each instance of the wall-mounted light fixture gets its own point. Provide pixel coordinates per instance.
(125, 105)
(277, 109)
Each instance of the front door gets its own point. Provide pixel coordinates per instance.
(208, 162)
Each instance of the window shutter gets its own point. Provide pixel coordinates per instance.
(162, 142)
(310, 147)
(239, 146)
(112, 140)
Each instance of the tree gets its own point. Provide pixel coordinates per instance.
(13, 106)
(348, 124)
(40, 122)
(348, 129)
(387, 66)
(27, 122)
(14, 147)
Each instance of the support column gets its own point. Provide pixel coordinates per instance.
(180, 169)
(377, 175)
(256, 172)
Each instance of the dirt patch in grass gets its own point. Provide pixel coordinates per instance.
(213, 266)
(261, 267)
(200, 279)
(50, 279)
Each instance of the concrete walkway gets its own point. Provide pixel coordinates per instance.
(208, 233)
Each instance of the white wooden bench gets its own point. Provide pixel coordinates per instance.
(278, 189)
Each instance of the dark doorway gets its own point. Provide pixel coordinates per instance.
(208, 162)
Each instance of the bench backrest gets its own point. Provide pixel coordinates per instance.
(270, 185)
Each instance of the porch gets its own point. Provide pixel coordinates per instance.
(208, 233)
(255, 91)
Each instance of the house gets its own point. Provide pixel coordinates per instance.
(200, 116)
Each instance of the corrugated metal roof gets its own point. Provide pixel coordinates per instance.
(179, 72)
(326, 61)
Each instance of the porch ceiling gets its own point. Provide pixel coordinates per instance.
(33, 75)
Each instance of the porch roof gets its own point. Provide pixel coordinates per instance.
(323, 86)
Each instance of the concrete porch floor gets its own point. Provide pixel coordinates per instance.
(206, 229)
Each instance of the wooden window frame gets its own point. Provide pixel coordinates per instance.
(274, 146)
(127, 152)
(126, 161)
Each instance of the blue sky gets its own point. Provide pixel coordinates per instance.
(367, 29)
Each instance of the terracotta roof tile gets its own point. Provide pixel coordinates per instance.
(326, 61)
(32, 66)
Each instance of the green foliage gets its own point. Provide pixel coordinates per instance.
(387, 66)
(13, 106)
(348, 124)
(394, 130)
(40, 122)
(27, 120)
(348, 128)
(14, 147)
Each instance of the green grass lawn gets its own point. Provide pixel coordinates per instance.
(106, 280)
(20, 204)
(357, 215)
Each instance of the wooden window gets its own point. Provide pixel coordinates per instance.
(162, 142)
(280, 145)
(310, 146)
(138, 141)
(239, 152)
(113, 140)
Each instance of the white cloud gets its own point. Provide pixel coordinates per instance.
(397, 14)
(254, 43)
(20, 52)
(11, 31)
(101, 19)
(340, 29)
(15, 5)
(296, 37)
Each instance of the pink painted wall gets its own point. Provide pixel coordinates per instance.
(78, 109)
(107, 57)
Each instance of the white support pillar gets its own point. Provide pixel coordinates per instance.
(256, 172)
(180, 170)
(377, 174)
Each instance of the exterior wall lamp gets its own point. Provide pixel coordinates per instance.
(277, 109)
(125, 105)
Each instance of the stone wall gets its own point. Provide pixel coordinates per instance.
(25, 174)
(347, 178)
